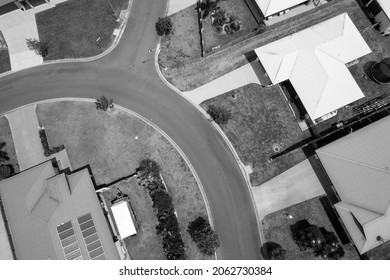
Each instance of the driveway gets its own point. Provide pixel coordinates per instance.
(121, 75)
(235, 79)
(17, 26)
(293, 186)
(175, 6)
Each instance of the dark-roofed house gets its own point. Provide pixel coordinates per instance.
(51, 215)
(359, 167)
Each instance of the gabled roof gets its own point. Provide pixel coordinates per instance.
(313, 60)
(271, 7)
(359, 167)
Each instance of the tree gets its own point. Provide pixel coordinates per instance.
(102, 103)
(203, 235)
(5, 171)
(40, 48)
(219, 114)
(164, 26)
(273, 251)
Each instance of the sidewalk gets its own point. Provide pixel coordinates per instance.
(298, 184)
(17, 26)
(237, 78)
(175, 6)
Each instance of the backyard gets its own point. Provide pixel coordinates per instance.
(276, 228)
(193, 71)
(72, 28)
(8, 148)
(113, 145)
(260, 119)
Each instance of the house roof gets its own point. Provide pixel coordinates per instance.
(385, 4)
(123, 219)
(271, 7)
(37, 202)
(313, 60)
(359, 168)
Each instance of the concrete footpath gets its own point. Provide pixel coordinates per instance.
(235, 79)
(296, 185)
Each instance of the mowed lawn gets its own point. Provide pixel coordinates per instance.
(276, 228)
(9, 148)
(114, 144)
(72, 28)
(260, 119)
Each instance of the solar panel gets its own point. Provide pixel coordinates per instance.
(69, 242)
(91, 238)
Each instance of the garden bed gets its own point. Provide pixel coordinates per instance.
(5, 63)
(71, 28)
(276, 228)
(9, 148)
(260, 119)
(113, 144)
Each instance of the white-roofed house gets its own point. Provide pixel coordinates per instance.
(313, 61)
(358, 166)
(272, 7)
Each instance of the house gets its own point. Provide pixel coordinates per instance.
(53, 215)
(379, 10)
(274, 7)
(314, 62)
(358, 166)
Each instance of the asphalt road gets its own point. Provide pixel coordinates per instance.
(121, 75)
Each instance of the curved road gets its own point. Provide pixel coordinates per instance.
(121, 75)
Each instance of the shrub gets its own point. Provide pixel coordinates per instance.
(6, 171)
(203, 235)
(47, 151)
(148, 167)
(273, 251)
(40, 48)
(164, 26)
(3, 154)
(219, 114)
(104, 104)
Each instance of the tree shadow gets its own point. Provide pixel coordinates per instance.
(367, 70)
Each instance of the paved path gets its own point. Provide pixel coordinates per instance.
(293, 186)
(5, 248)
(25, 133)
(17, 26)
(175, 6)
(237, 78)
(121, 75)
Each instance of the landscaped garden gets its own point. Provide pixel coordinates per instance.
(113, 144)
(225, 22)
(72, 28)
(5, 63)
(260, 120)
(305, 233)
(8, 160)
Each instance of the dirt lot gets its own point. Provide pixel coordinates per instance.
(113, 144)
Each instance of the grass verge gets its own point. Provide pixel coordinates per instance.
(276, 228)
(9, 148)
(72, 28)
(260, 119)
(113, 144)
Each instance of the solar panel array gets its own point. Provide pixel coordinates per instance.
(91, 238)
(69, 242)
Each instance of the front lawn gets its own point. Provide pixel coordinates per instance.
(260, 119)
(9, 148)
(113, 145)
(72, 28)
(276, 228)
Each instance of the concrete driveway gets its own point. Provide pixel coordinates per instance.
(293, 186)
(17, 26)
(237, 78)
(175, 6)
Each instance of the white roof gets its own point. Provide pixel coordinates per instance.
(271, 7)
(359, 168)
(385, 4)
(123, 219)
(314, 61)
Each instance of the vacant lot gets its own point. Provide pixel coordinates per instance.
(113, 144)
(6, 136)
(72, 28)
(276, 228)
(193, 72)
(239, 10)
(260, 119)
(5, 63)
